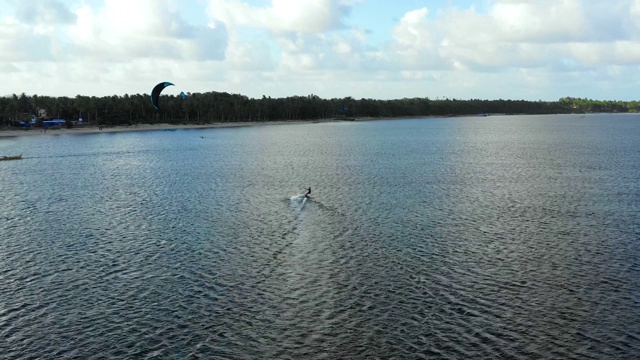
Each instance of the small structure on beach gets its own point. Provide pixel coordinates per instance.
(54, 122)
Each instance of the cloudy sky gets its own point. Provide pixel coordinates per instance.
(380, 49)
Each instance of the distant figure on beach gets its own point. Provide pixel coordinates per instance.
(308, 194)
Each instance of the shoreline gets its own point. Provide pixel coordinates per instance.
(95, 129)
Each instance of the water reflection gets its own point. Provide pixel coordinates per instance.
(495, 237)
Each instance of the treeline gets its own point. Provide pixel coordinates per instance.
(212, 107)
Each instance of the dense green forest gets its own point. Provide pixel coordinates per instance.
(213, 107)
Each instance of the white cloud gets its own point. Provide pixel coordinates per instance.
(413, 31)
(44, 12)
(22, 42)
(118, 47)
(282, 15)
(416, 42)
(519, 34)
(343, 48)
(496, 49)
(288, 38)
(123, 30)
(119, 31)
(540, 21)
(252, 54)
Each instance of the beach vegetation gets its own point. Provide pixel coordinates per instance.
(222, 107)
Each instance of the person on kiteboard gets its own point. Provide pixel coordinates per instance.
(308, 194)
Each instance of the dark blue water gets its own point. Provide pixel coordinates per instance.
(497, 237)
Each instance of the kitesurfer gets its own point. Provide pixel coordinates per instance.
(308, 194)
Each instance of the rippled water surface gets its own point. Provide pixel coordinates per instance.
(459, 238)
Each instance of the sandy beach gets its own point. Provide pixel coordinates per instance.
(93, 129)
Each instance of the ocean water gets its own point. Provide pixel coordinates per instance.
(497, 237)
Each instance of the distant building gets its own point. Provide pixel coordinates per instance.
(23, 116)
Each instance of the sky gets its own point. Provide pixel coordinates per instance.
(377, 49)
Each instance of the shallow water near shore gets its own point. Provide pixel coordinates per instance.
(492, 237)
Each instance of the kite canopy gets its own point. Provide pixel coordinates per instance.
(155, 93)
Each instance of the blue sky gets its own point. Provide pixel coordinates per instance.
(464, 49)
